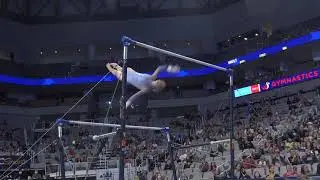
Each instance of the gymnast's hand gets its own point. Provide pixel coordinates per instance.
(173, 69)
(129, 104)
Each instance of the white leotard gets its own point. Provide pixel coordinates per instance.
(139, 80)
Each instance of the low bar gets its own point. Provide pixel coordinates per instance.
(202, 144)
(220, 141)
(128, 40)
(102, 136)
(111, 125)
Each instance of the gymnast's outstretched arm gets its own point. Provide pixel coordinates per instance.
(158, 70)
(168, 68)
(135, 97)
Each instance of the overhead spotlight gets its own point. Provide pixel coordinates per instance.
(245, 38)
(256, 34)
(41, 52)
(110, 48)
(55, 52)
(79, 50)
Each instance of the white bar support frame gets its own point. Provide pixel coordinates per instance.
(111, 125)
(129, 41)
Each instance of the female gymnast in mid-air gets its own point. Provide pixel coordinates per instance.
(144, 82)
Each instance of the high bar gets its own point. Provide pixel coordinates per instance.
(111, 125)
(128, 41)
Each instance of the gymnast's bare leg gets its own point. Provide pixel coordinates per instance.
(144, 82)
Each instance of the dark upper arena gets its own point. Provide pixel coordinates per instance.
(54, 80)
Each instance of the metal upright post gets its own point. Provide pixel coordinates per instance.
(123, 111)
(61, 153)
(170, 148)
(232, 163)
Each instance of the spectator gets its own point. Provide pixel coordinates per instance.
(290, 172)
(271, 175)
(305, 172)
(243, 174)
(257, 175)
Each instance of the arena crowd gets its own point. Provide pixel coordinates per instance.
(275, 137)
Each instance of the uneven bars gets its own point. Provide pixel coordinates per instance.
(111, 125)
(202, 144)
(128, 40)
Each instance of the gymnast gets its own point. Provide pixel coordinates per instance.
(144, 82)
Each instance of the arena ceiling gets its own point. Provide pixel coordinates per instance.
(63, 11)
